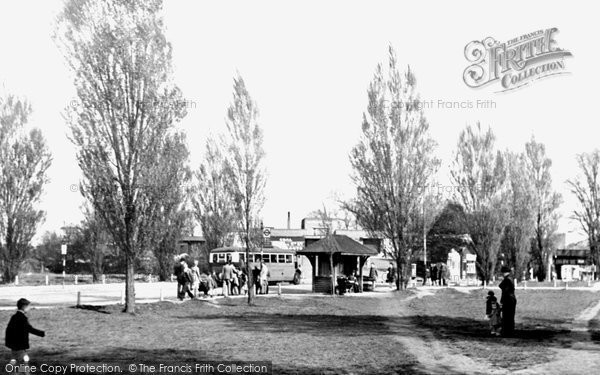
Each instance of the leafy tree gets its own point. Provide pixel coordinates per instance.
(586, 188)
(24, 161)
(516, 244)
(95, 243)
(392, 163)
(481, 177)
(47, 252)
(122, 65)
(169, 199)
(246, 174)
(545, 205)
(214, 205)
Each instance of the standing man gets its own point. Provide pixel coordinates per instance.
(227, 276)
(373, 274)
(509, 303)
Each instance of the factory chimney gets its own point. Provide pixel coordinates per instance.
(288, 221)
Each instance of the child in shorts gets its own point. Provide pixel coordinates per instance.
(17, 334)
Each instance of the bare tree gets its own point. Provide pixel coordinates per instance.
(24, 161)
(545, 206)
(480, 175)
(214, 205)
(586, 188)
(122, 66)
(246, 174)
(392, 164)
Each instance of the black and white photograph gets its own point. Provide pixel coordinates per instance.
(286, 187)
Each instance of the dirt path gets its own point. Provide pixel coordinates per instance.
(434, 357)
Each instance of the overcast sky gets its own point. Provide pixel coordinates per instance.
(308, 64)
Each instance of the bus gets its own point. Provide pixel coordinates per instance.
(282, 263)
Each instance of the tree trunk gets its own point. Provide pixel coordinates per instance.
(249, 276)
(399, 275)
(11, 270)
(129, 285)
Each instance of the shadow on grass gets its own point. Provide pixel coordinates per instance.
(98, 309)
(529, 332)
(124, 357)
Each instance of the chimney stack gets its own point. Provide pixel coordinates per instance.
(289, 221)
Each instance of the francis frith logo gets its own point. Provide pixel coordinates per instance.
(514, 63)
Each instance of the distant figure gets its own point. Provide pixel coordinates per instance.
(391, 275)
(235, 282)
(205, 285)
(352, 281)
(178, 272)
(256, 279)
(442, 274)
(227, 276)
(427, 276)
(434, 275)
(17, 334)
(188, 279)
(196, 278)
(264, 277)
(509, 303)
(373, 275)
(243, 282)
(492, 310)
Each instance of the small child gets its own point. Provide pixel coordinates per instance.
(17, 333)
(492, 310)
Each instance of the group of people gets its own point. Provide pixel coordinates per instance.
(192, 282)
(235, 281)
(438, 273)
(501, 315)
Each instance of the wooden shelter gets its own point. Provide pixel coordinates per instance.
(333, 256)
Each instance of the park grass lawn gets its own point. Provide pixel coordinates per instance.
(301, 336)
(543, 322)
(311, 335)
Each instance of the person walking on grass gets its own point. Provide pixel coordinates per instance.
(17, 334)
(508, 300)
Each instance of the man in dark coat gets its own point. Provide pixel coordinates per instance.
(17, 333)
(509, 303)
(178, 272)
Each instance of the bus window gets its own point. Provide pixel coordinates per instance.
(221, 257)
(265, 258)
(281, 258)
(288, 258)
(242, 257)
(214, 258)
(273, 258)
